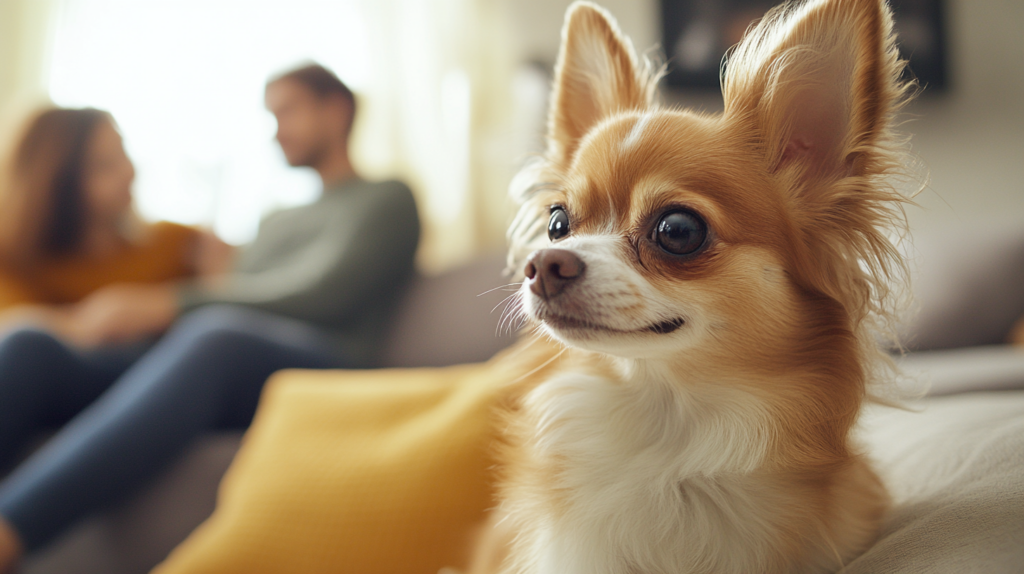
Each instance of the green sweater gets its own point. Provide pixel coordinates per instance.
(339, 263)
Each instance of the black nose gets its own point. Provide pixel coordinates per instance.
(549, 271)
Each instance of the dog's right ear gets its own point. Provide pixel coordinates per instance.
(597, 75)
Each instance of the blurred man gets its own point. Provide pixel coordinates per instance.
(314, 290)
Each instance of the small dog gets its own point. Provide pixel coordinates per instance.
(717, 282)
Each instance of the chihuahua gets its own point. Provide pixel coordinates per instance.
(717, 282)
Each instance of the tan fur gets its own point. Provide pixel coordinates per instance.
(723, 446)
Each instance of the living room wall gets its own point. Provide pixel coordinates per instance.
(970, 139)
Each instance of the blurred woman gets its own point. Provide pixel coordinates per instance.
(67, 230)
(67, 227)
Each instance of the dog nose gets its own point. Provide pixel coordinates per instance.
(549, 271)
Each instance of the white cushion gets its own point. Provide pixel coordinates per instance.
(956, 472)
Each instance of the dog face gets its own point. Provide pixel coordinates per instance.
(662, 238)
(654, 232)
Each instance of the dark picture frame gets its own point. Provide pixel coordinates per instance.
(697, 33)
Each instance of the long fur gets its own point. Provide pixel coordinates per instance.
(724, 445)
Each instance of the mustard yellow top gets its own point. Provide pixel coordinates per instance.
(162, 253)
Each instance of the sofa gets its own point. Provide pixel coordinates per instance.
(953, 457)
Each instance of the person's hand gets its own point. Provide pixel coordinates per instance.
(122, 313)
(55, 318)
(213, 259)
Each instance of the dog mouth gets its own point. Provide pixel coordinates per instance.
(572, 323)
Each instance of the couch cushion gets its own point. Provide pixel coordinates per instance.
(451, 318)
(988, 368)
(968, 285)
(956, 472)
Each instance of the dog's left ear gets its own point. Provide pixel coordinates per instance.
(597, 74)
(820, 79)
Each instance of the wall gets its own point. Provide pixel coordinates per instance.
(970, 140)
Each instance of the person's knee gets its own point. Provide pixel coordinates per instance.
(29, 342)
(215, 318)
(239, 331)
(214, 327)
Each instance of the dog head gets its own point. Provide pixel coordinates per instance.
(648, 231)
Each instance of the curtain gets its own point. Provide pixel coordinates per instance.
(24, 35)
(440, 113)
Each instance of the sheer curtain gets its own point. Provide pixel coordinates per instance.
(440, 110)
(24, 42)
(185, 81)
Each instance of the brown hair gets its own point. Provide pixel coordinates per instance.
(41, 206)
(321, 82)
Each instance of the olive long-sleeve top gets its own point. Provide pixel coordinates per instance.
(339, 263)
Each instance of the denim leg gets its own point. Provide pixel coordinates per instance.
(44, 382)
(207, 372)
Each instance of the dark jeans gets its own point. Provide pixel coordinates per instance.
(130, 411)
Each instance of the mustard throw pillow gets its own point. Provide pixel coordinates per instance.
(355, 471)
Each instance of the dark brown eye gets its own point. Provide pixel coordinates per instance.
(681, 232)
(558, 225)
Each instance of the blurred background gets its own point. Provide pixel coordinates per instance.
(452, 96)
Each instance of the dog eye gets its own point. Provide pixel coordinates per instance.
(680, 232)
(558, 225)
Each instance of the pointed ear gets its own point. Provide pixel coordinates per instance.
(821, 81)
(597, 74)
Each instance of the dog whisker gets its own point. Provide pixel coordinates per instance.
(504, 301)
(513, 305)
(513, 286)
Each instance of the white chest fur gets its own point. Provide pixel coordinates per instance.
(650, 477)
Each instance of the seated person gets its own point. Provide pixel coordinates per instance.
(314, 290)
(67, 227)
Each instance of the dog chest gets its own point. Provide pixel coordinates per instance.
(649, 478)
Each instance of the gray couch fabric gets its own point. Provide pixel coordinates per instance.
(968, 285)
